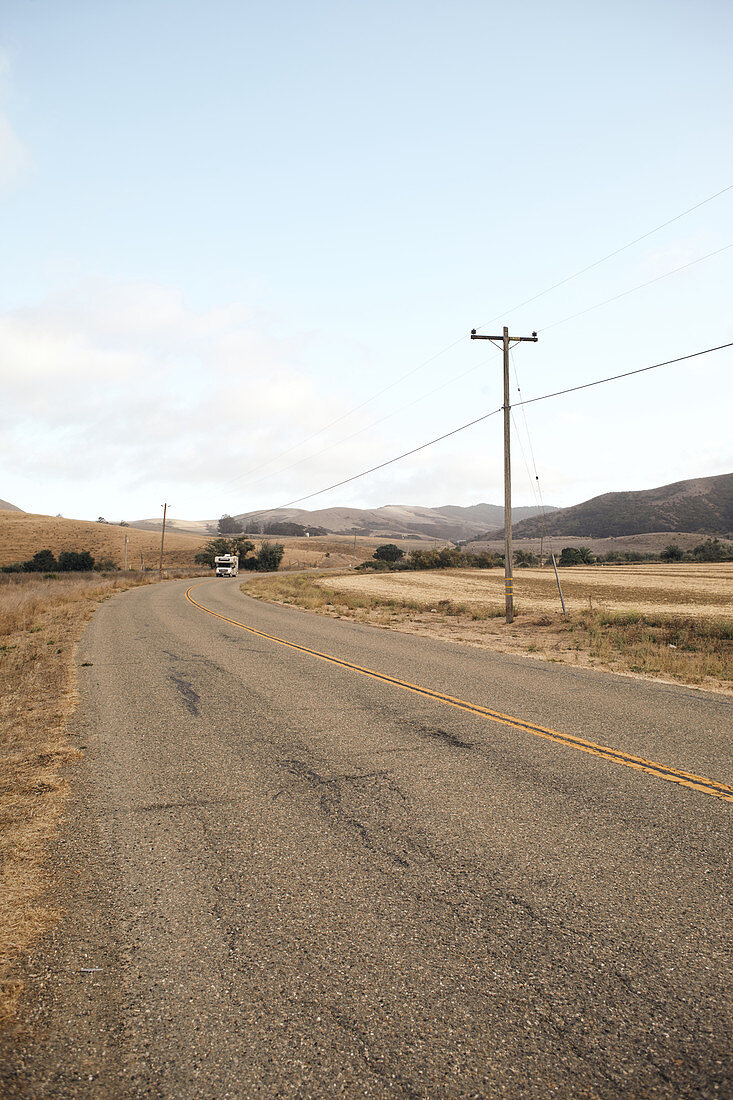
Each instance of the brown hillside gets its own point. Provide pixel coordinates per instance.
(703, 505)
(22, 534)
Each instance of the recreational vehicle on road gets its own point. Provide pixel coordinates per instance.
(227, 565)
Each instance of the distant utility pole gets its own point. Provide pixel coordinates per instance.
(506, 342)
(126, 542)
(162, 539)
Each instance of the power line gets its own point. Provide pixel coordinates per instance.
(344, 416)
(641, 286)
(449, 347)
(486, 416)
(610, 256)
(375, 424)
(452, 380)
(626, 374)
(389, 462)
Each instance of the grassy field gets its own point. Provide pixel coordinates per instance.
(670, 622)
(40, 623)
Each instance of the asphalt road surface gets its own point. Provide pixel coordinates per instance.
(286, 878)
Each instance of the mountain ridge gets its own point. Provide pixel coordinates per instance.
(703, 505)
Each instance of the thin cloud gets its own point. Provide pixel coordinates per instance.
(15, 159)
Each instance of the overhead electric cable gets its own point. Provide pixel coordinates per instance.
(348, 438)
(536, 485)
(344, 416)
(626, 374)
(389, 461)
(486, 416)
(641, 286)
(610, 256)
(449, 347)
(451, 381)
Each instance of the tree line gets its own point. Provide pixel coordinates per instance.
(228, 525)
(390, 556)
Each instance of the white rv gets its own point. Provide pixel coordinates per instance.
(227, 565)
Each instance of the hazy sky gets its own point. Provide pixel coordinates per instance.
(229, 227)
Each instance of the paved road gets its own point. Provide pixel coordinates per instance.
(287, 879)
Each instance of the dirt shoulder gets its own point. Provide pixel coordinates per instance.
(653, 625)
(41, 621)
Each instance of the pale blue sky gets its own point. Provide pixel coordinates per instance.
(226, 225)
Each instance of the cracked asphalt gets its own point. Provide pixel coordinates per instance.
(283, 879)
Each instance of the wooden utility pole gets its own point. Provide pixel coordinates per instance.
(506, 342)
(162, 539)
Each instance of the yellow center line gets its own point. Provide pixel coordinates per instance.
(662, 771)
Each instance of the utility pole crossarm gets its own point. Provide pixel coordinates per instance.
(512, 339)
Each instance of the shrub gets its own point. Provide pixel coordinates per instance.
(525, 558)
(75, 561)
(713, 550)
(569, 555)
(106, 565)
(269, 558)
(388, 552)
(41, 562)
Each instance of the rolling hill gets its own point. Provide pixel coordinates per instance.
(22, 534)
(450, 522)
(701, 505)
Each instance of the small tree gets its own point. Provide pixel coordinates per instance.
(388, 552)
(229, 526)
(672, 552)
(525, 558)
(570, 555)
(269, 557)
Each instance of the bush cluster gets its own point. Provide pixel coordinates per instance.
(446, 558)
(390, 556)
(69, 561)
(710, 550)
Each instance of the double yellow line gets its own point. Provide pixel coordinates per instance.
(697, 782)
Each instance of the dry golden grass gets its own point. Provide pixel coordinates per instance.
(705, 589)
(22, 534)
(333, 551)
(670, 622)
(40, 623)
